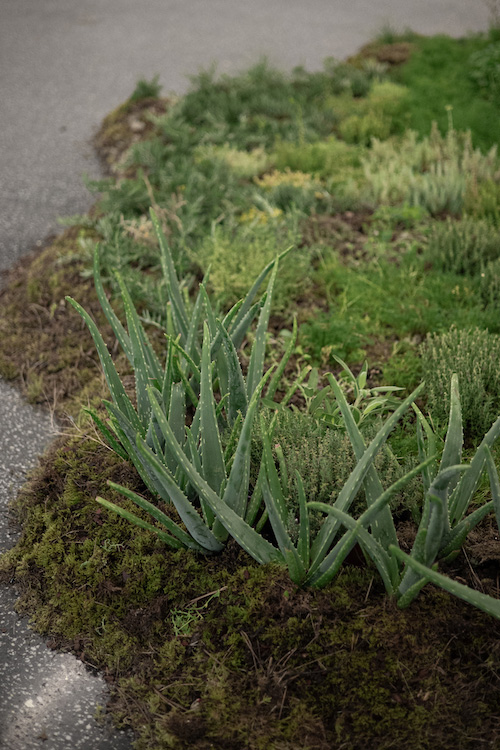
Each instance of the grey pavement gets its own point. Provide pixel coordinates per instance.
(63, 65)
(47, 699)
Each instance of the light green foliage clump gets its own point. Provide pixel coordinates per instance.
(233, 254)
(378, 115)
(244, 164)
(463, 247)
(483, 202)
(474, 355)
(434, 172)
(323, 158)
(145, 89)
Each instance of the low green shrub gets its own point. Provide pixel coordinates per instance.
(474, 355)
(379, 115)
(145, 89)
(233, 252)
(483, 201)
(463, 247)
(484, 70)
(490, 283)
(434, 173)
(322, 158)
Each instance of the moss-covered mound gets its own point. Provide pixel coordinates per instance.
(218, 652)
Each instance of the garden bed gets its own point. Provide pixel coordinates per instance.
(395, 235)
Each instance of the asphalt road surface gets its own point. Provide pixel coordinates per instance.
(63, 65)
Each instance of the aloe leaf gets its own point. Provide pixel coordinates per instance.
(424, 449)
(152, 363)
(458, 535)
(153, 434)
(352, 486)
(275, 381)
(256, 364)
(337, 555)
(383, 525)
(494, 484)
(247, 302)
(128, 436)
(296, 569)
(452, 453)
(233, 440)
(255, 502)
(295, 385)
(190, 517)
(192, 346)
(256, 546)
(239, 331)
(174, 529)
(434, 528)
(406, 599)
(118, 329)
(439, 522)
(464, 491)
(185, 355)
(140, 364)
(132, 518)
(482, 601)
(186, 385)
(178, 308)
(292, 558)
(168, 377)
(238, 401)
(177, 412)
(207, 512)
(236, 492)
(273, 482)
(372, 547)
(107, 434)
(303, 545)
(113, 381)
(212, 454)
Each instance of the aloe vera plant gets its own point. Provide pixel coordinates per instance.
(449, 490)
(177, 463)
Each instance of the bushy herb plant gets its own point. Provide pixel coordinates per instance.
(463, 247)
(474, 355)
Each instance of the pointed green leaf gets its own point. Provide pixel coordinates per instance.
(452, 453)
(113, 381)
(238, 401)
(245, 535)
(214, 470)
(184, 539)
(256, 364)
(464, 491)
(178, 309)
(118, 329)
(482, 601)
(132, 518)
(190, 517)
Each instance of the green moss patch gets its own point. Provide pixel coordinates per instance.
(218, 652)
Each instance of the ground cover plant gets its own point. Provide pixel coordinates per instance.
(284, 532)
